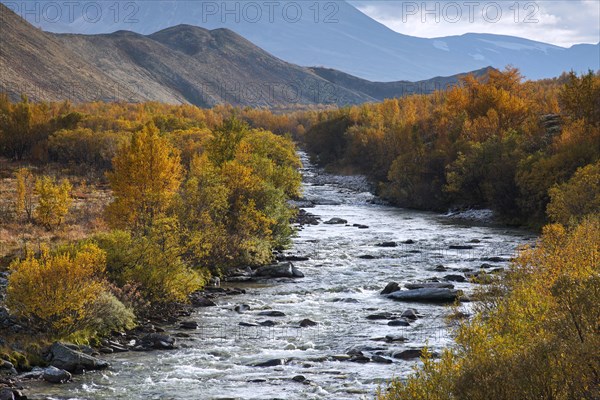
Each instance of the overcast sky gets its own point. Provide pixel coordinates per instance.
(561, 22)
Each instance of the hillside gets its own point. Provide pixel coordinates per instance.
(342, 37)
(182, 64)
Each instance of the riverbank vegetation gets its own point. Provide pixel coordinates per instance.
(534, 336)
(111, 212)
(496, 142)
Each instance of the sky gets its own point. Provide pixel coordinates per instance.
(560, 22)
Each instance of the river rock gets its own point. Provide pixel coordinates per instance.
(267, 322)
(381, 360)
(390, 288)
(455, 278)
(307, 322)
(293, 258)
(7, 368)
(281, 270)
(336, 221)
(158, 341)
(411, 314)
(407, 354)
(188, 325)
(360, 226)
(440, 268)
(63, 356)
(425, 285)
(460, 247)
(272, 363)
(387, 244)
(300, 378)
(272, 313)
(248, 324)
(381, 315)
(241, 308)
(367, 257)
(6, 394)
(56, 375)
(426, 295)
(198, 300)
(494, 259)
(395, 338)
(398, 322)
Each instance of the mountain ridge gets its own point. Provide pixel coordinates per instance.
(355, 43)
(182, 64)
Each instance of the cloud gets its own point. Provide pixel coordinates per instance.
(563, 22)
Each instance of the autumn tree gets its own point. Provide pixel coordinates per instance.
(576, 198)
(54, 200)
(146, 176)
(539, 339)
(25, 193)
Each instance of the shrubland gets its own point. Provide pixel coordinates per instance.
(112, 211)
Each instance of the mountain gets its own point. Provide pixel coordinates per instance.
(181, 64)
(332, 34)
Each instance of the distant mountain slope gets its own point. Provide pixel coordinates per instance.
(182, 64)
(343, 38)
(388, 90)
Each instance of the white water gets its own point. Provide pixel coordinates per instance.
(339, 291)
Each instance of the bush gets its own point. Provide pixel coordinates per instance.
(55, 292)
(578, 197)
(54, 201)
(539, 340)
(152, 263)
(109, 314)
(84, 146)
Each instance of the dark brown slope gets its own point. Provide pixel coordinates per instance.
(182, 64)
(35, 63)
(388, 90)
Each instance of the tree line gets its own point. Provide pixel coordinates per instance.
(495, 142)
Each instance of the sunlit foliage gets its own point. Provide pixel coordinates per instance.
(539, 340)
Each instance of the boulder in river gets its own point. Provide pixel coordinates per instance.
(381, 360)
(281, 270)
(398, 322)
(408, 354)
(426, 295)
(395, 338)
(198, 300)
(307, 322)
(336, 221)
(272, 313)
(387, 244)
(272, 363)
(188, 325)
(241, 308)
(424, 285)
(390, 288)
(455, 278)
(56, 375)
(382, 315)
(460, 247)
(410, 313)
(158, 341)
(63, 356)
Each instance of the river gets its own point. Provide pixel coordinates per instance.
(340, 289)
